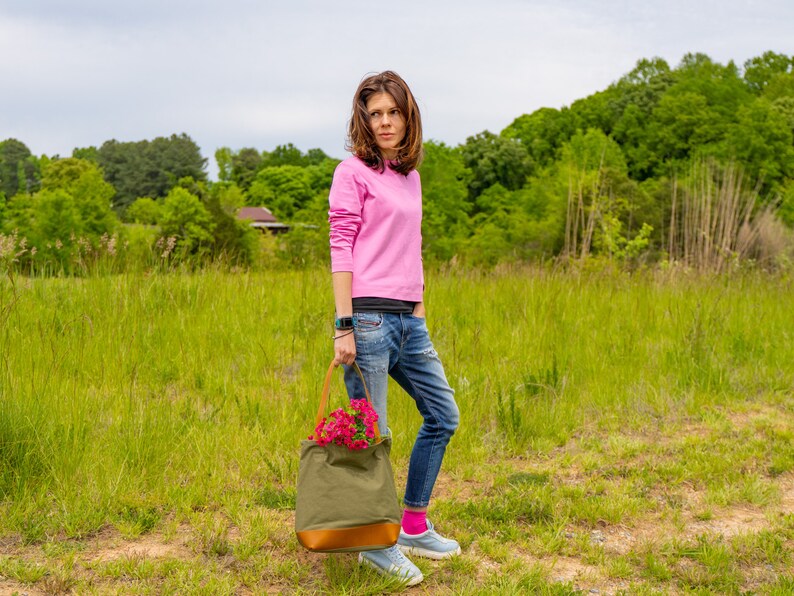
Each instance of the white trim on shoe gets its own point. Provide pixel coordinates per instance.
(420, 551)
(394, 570)
(429, 554)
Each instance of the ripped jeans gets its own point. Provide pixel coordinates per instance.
(399, 345)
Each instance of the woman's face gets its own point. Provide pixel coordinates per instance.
(387, 123)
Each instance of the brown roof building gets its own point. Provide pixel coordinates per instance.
(262, 218)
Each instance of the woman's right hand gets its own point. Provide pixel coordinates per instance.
(345, 349)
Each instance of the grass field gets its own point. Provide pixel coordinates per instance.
(621, 433)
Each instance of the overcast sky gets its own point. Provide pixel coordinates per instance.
(258, 73)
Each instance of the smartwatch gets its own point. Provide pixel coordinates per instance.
(345, 323)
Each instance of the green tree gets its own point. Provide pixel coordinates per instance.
(144, 211)
(683, 122)
(490, 243)
(642, 87)
(177, 156)
(316, 157)
(290, 155)
(445, 221)
(637, 95)
(542, 133)
(632, 133)
(760, 71)
(242, 167)
(232, 239)
(321, 174)
(721, 86)
(785, 107)
(56, 228)
(68, 219)
(87, 153)
(493, 159)
(223, 157)
(780, 87)
(230, 197)
(647, 72)
(245, 164)
(283, 189)
(92, 196)
(786, 208)
(592, 204)
(544, 202)
(283, 155)
(761, 140)
(19, 170)
(185, 218)
(504, 230)
(599, 110)
(149, 168)
(18, 214)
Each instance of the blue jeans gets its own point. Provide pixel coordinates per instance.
(399, 345)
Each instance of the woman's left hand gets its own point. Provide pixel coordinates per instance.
(419, 310)
(344, 348)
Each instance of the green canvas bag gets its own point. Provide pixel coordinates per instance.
(346, 498)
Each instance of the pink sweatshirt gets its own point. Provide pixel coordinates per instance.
(376, 221)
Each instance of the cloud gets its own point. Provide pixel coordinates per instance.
(260, 73)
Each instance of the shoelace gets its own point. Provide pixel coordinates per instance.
(396, 556)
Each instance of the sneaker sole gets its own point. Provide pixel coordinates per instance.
(428, 554)
(412, 581)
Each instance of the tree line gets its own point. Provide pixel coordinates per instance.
(666, 163)
(602, 176)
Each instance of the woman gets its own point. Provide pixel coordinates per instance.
(376, 262)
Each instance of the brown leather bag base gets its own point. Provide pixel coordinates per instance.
(374, 536)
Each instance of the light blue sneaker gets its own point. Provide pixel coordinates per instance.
(391, 561)
(428, 544)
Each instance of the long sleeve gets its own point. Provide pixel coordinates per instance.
(345, 201)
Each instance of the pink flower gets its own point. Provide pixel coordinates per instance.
(352, 429)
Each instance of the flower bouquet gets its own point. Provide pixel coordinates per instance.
(352, 427)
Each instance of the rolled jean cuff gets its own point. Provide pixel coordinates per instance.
(408, 504)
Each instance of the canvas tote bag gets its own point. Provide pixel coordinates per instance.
(346, 498)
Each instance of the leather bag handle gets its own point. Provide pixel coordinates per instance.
(327, 392)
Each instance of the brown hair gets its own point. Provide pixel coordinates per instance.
(361, 141)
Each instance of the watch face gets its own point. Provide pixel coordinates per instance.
(345, 322)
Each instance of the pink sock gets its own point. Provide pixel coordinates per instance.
(414, 522)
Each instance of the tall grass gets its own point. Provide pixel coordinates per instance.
(716, 221)
(127, 399)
